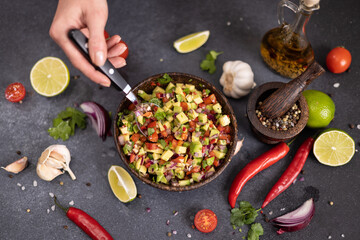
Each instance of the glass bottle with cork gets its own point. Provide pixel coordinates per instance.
(286, 48)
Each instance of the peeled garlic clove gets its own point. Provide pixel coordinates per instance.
(54, 159)
(17, 166)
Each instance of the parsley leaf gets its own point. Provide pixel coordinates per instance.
(209, 63)
(150, 131)
(245, 214)
(165, 79)
(61, 130)
(160, 115)
(255, 231)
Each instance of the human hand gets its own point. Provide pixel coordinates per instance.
(90, 16)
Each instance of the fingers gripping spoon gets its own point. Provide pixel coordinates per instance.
(110, 71)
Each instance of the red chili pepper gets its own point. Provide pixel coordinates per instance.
(88, 224)
(293, 170)
(260, 163)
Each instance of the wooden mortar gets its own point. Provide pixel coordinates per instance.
(265, 134)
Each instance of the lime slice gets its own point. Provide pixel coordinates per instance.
(49, 76)
(191, 42)
(334, 147)
(122, 184)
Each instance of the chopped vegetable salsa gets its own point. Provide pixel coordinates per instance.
(187, 134)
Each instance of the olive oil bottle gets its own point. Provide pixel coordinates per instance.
(286, 48)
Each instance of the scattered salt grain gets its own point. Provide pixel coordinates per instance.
(48, 210)
(23, 188)
(336, 85)
(174, 232)
(148, 210)
(161, 60)
(271, 212)
(188, 235)
(175, 213)
(301, 179)
(358, 126)
(53, 208)
(35, 183)
(282, 209)
(228, 23)
(51, 194)
(18, 184)
(167, 222)
(71, 203)
(241, 19)
(329, 237)
(342, 235)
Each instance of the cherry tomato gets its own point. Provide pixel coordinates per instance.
(132, 157)
(210, 100)
(151, 146)
(125, 54)
(106, 35)
(135, 137)
(184, 106)
(205, 221)
(15, 92)
(154, 137)
(338, 60)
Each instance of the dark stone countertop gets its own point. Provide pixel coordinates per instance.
(149, 28)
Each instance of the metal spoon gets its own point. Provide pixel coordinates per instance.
(81, 41)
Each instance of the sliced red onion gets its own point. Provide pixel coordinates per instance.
(222, 147)
(196, 154)
(137, 113)
(198, 110)
(197, 134)
(168, 177)
(214, 136)
(99, 117)
(212, 117)
(121, 140)
(297, 219)
(208, 174)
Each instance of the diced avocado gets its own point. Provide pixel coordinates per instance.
(212, 169)
(222, 142)
(157, 150)
(124, 130)
(159, 177)
(204, 164)
(158, 90)
(153, 168)
(138, 164)
(135, 128)
(126, 137)
(161, 127)
(180, 85)
(202, 118)
(191, 87)
(160, 170)
(206, 141)
(217, 108)
(189, 98)
(178, 90)
(194, 138)
(219, 154)
(209, 107)
(182, 118)
(193, 105)
(141, 119)
(163, 180)
(156, 156)
(167, 125)
(180, 98)
(214, 132)
(169, 87)
(180, 150)
(141, 151)
(178, 109)
(142, 170)
(184, 182)
(169, 104)
(210, 161)
(196, 177)
(197, 99)
(144, 95)
(205, 127)
(179, 173)
(177, 104)
(224, 120)
(169, 118)
(196, 147)
(196, 162)
(167, 155)
(192, 114)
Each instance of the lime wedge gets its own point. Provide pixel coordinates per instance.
(334, 147)
(49, 76)
(191, 42)
(122, 184)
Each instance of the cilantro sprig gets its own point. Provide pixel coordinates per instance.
(255, 231)
(208, 64)
(165, 79)
(65, 123)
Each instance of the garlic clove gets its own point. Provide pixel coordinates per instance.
(17, 166)
(47, 173)
(54, 163)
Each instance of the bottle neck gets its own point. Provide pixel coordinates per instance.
(302, 18)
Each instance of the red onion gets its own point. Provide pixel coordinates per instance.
(121, 140)
(198, 110)
(99, 117)
(212, 117)
(297, 219)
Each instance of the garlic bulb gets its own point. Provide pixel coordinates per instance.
(237, 79)
(17, 166)
(53, 162)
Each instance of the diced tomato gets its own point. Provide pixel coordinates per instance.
(169, 139)
(203, 149)
(213, 141)
(152, 125)
(212, 154)
(216, 163)
(227, 129)
(223, 136)
(178, 159)
(210, 100)
(165, 99)
(151, 146)
(205, 221)
(202, 105)
(193, 170)
(158, 95)
(173, 144)
(164, 134)
(184, 136)
(162, 162)
(143, 139)
(148, 164)
(192, 125)
(207, 133)
(158, 84)
(154, 137)
(132, 157)
(106, 35)
(131, 107)
(184, 106)
(180, 143)
(147, 114)
(207, 168)
(135, 137)
(153, 84)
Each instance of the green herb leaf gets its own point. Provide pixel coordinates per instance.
(62, 130)
(150, 131)
(209, 63)
(156, 101)
(245, 214)
(119, 121)
(186, 90)
(165, 79)
(75, 117)
(162, 143)
(160, 115)
(207, 91)
(255, 231)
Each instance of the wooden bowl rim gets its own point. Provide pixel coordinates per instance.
(269, 133)
(229, 154)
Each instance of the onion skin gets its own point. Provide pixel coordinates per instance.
(291, 223)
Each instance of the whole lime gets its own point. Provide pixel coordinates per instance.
(321, 108)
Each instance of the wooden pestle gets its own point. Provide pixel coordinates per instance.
(279, 102)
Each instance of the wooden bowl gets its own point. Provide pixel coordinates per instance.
(265, 134)
(199, 84)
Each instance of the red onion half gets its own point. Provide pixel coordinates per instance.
(297, 219)
(99, 117)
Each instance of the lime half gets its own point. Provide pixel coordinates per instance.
(191, 42)
(122, 184)
(334, 147)
(49, 76)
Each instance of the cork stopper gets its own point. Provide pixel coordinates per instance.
(310, 3)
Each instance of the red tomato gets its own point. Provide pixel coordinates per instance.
(131, 107)
(338, 60)
(132, 157)
(125, 54)
(154, 137)
(164, 134)
(184, 106)
(152, 125)
(135, 137)
(106, 35)
(15, 92)
(205, 221)
(210, 100)
(216, 163)
(151, 146)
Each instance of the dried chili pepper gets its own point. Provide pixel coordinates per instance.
(293, 170)
(260, 163)
(88, 224)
